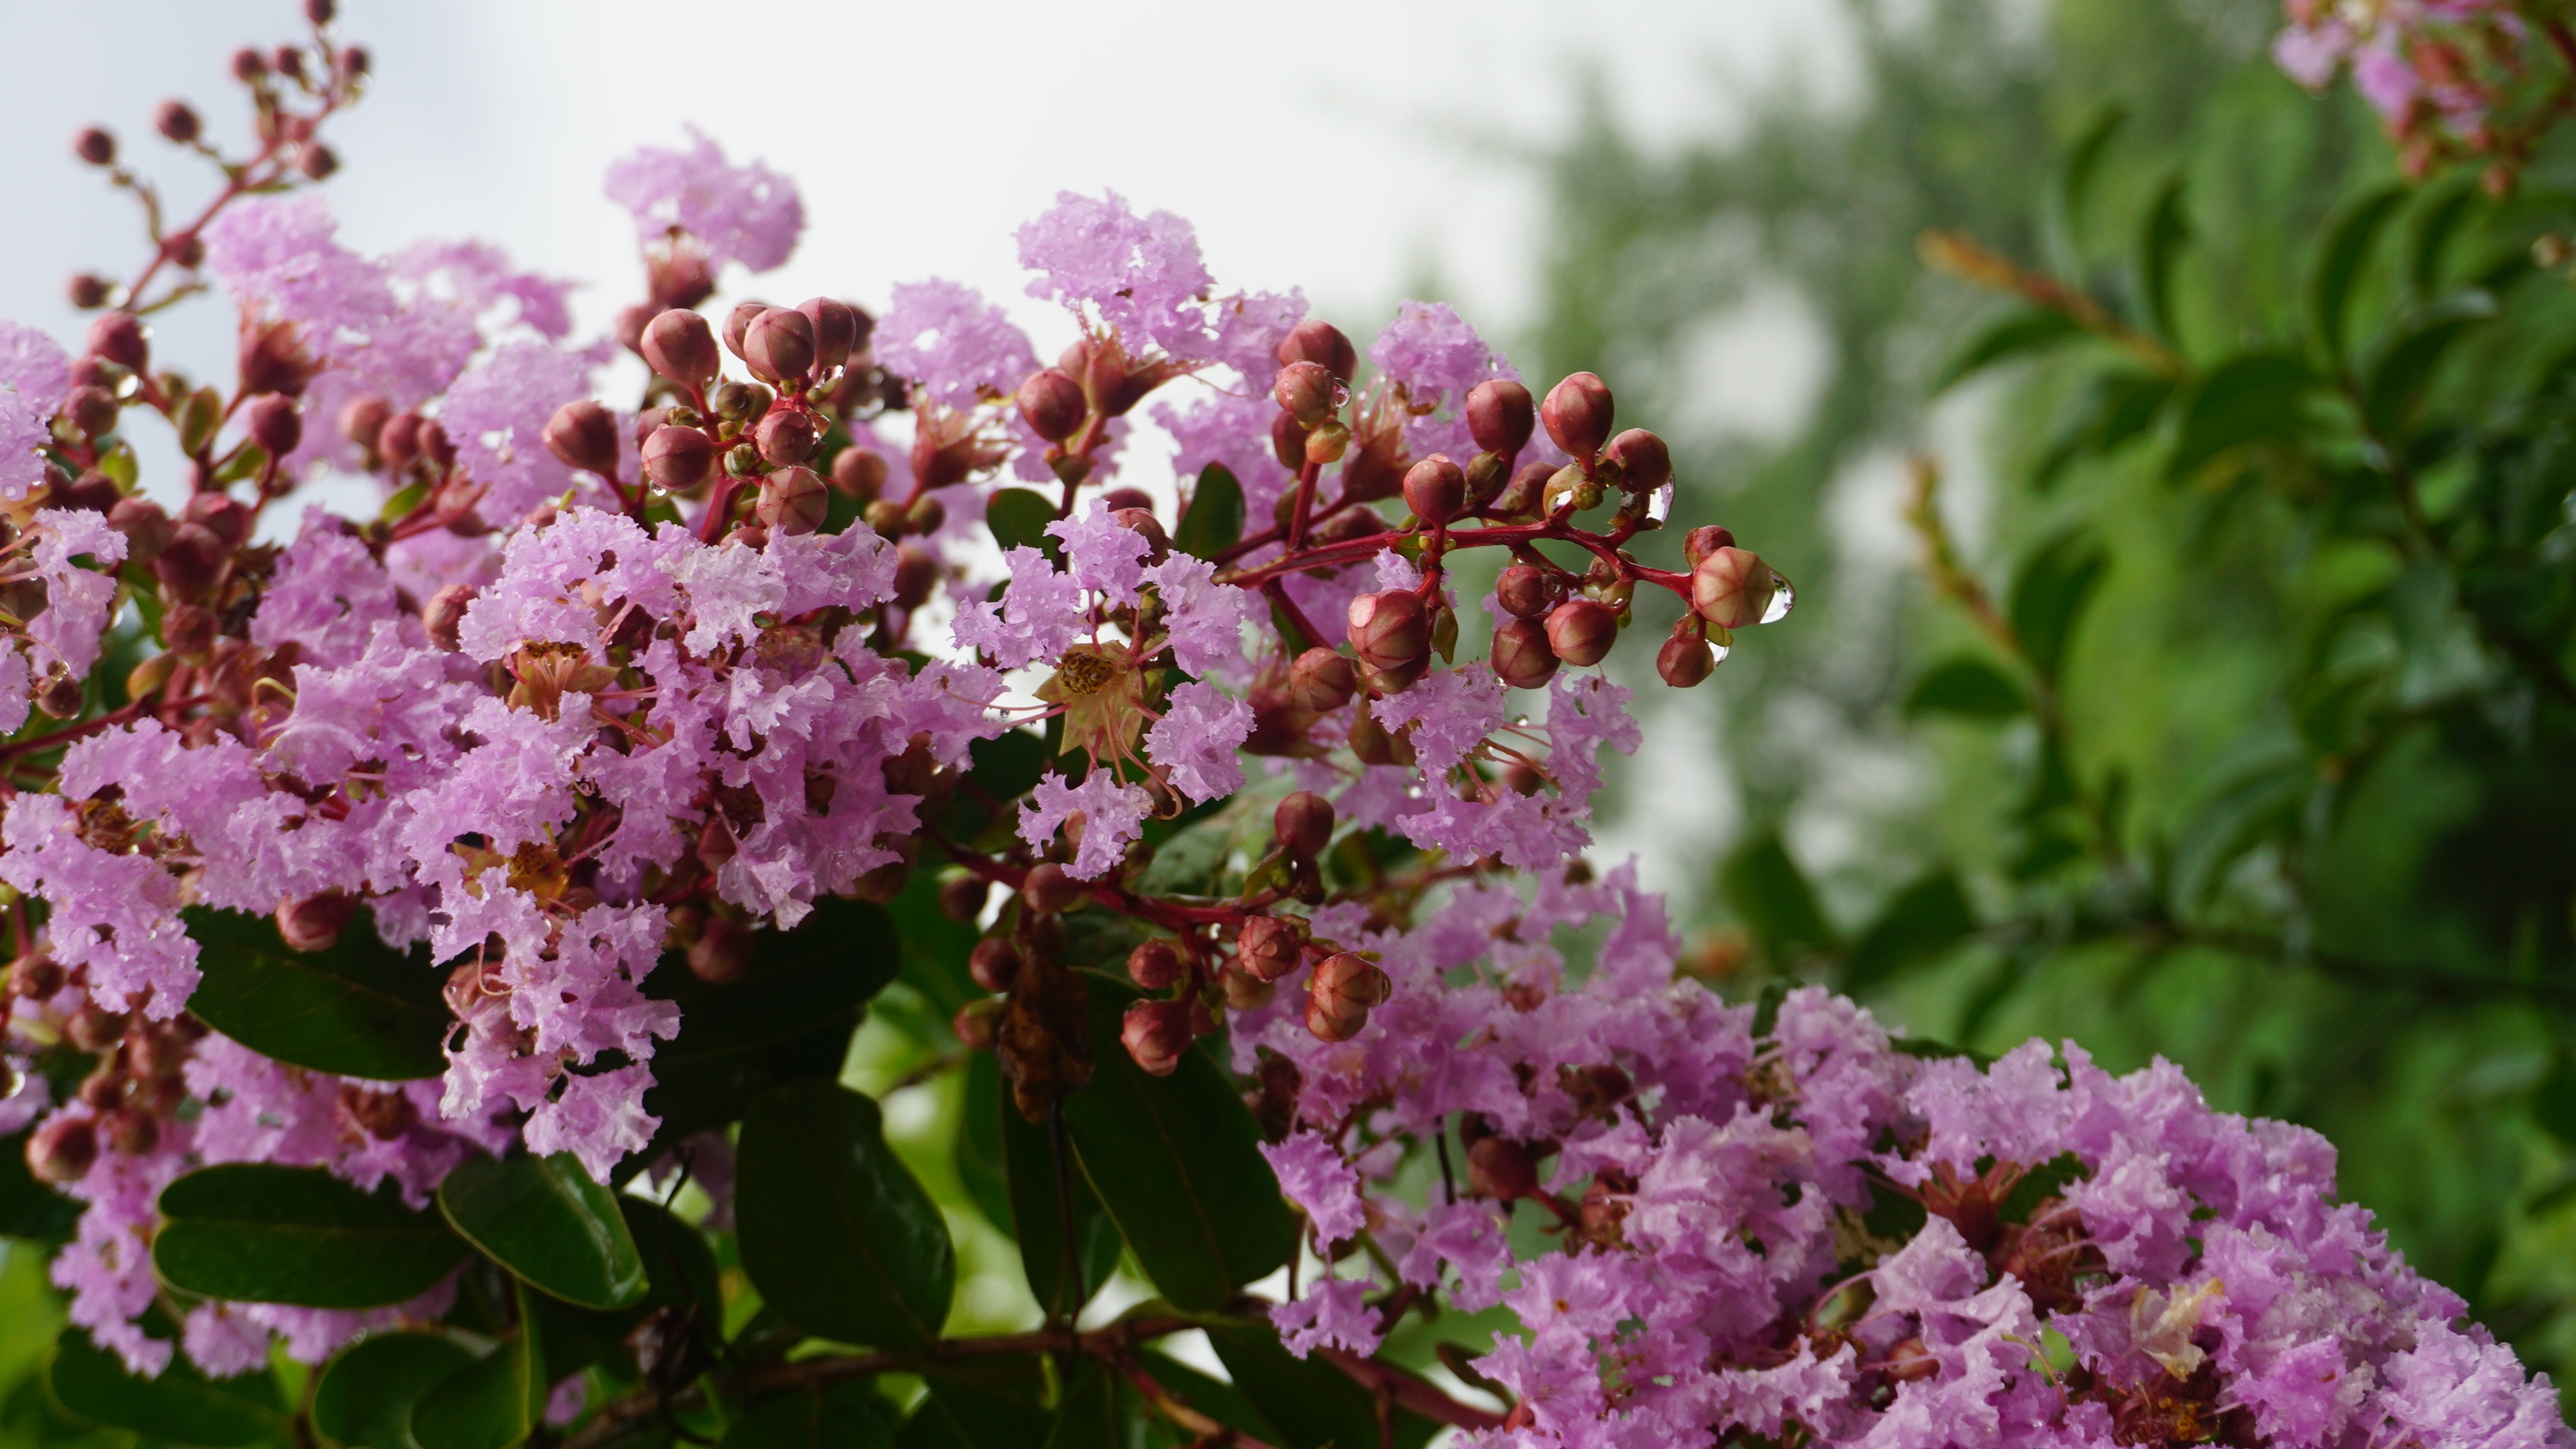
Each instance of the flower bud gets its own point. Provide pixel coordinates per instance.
(1500, 1168)
(363, 418)
(1499, 416)
(916, 573)
(176, 121)
(994, 963)
(1684, 660)
(190, 561)
(385, 1115)
(276, 424)
(1731, 588)
(737, 325)
(94, 1028)
(1156, 1033)
(92, 410)
(836, 330)
(1338, 1000)
(1389, 629)
(977, 1024)
(1049, 889)
(583, 435)
(1304, 824)
(35, 977)
(1521, 655)
(962, 898)
(95, 145)
(679, 458)
(1577, 413)
(1435, 489)
(925, 515)
(316, 160)
(398, 441)
(1321, 680)
(792, 500)
(722, 951)
(249, 66)
(188, 631)
(1307, 393)
(1321, 343)
(1374, 744)
(1268, 947)
(1052, 404)
(1525, 591)
(1644, 463)
(354, 61)
(1155, 965)
(444, 614)
(435, 445)
(120, 337)
(89, 290)
(787, 435)
(1523, 496)
(680, 346)
(63, 1150)
(859, 472)
(60, 694)
(314, 922)
(1287, 442)
(1581, 631)
(779, 345)
(148, 677)
(320, 11)
(1707, 539)
(228, 516)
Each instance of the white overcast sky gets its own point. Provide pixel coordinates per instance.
(1350, 153)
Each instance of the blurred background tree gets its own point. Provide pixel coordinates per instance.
(2219, 706)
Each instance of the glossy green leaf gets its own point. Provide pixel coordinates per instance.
(359, 1009)
(1919, 924)
(680, 1269)
(547, 1222)
(982, 1406)
(1093, 1413)
(2260, 802)
(2120, 404)
(1036, 1219)
(365, 1396)
(1018, 518)
(28, 1208)
(1311, 1403)
(2024, 333)
(2083, 163)
(842, 1416)
(979, 1141)
(1772, 898)
(1967, 687)
(2394, 386)
(2257, 397)
(493, 1403)
(2161, 240)
(1214, 522)
(2049, 593)
(261, 1233)
(2438, 222)
(1176, 1162)
(835, 1232)
(2553, 1102)
(180, 1404)
(2347, 250)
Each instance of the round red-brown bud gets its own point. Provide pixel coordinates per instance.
(925, 515)
(737, 326)
(916, 573)
(1049, 888)
(363, 418)
(229, 517)
(316, 160)
(977, 1024)
(1156, 1033)
(177, 120)
(779, 345)
(1521, 656)
(95, 145)
(1321, 343)
(191, 561)
(962, 898)
(1435, 489)
(287, 61)
(1684, 660)
(1052, 404)
(1500, 415)
(314, 922)
(1321, 680)
(94, 1028)
(60, 694)
(994, 963)
(679, 458)
(248, 65)
(787, 435)
(1645, 464)
(722, 951)
(1143, 523)
(120, 338)
(1577, 413)
(680, 345)
(1389, 629)
(354, 61)
(320, 11)
(1268, 947)
(188, 631)
(1581, 631)
(1307, 393)
(146, 525)
(384, 1115)
(63, 1150)
(435, 446)
(398, 441)
(583, 435)
(1731, 588)
(1155, 965)
(859, 472)
(631, 322)
(1525, 592)
(836, 330)
(92, 491)
(1304, 824)
(1338, 1000)
(276, 423)
(792, 500)
(92, 409)
(1287, 442)
(1704, 540)
(88, 290)
(1498, 1167)
(36, 977)
(444, 614)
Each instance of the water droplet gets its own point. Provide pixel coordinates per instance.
(1659, 508)
(1717, 651)
(1784, 597)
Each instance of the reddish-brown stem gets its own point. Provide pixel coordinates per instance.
(132, 711)
(1410, 1393)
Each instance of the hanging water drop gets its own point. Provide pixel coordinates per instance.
(1721, 642)
(1659, 505)
(1784, 597)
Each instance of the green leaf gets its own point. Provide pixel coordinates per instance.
(1923, 921)
(359, 1009)
(1018, 518)
(2256, 397)
(1771, 895)
(547, 1222)
(1214, 522)
(2023, 333)
(2160, 246)
(2118, 405)
(2553, 1102)
(2084, 162)
(179, 1404)
(979, 1142)
(1028, 1160)
(2393, 388)
(842, 1416)
(1091, 1415)
(835, 1232)
(365, 1396)
(28, 1208)
(1214, 1397)
(2049, 594)
(1001, 770)
(262, 1233)
(2348, 245)
(2436, 225)
(1311, 1403)
(2259, 802)
(1968, 687)
(969, 1410)
(1177, 1163)
(493, 1403)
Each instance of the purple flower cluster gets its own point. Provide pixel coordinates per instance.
(2447, 77)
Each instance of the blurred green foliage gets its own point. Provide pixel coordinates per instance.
(2219, 707)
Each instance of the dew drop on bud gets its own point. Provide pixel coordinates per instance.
(1784, 597)
(1659, 505)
